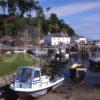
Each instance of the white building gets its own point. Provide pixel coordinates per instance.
(57, 39)
(60, 40)
(81, 40)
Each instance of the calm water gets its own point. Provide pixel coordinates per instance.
(90, 78)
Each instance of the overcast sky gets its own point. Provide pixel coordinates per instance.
(82, 15)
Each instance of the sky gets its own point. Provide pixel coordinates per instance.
(82, 15)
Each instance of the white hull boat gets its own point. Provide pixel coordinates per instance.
(39, 51)
(33, 81)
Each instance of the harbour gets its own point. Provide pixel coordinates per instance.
(91, 78)
(49, 50)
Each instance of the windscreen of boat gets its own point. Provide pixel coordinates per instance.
(24, 75)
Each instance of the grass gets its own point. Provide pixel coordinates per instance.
(13, 61)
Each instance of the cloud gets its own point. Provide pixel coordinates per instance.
(88, 29)
(87, 25)
(74, 8)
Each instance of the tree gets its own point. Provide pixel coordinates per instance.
(3, 5)
(53, 23)
(53, 18)
(25, 5)
(40, 18)
(39, 10)
(62, 26)
(45, 26)
(12, 7)
(14, 25)
(70, 31)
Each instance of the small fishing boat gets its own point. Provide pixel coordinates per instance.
(33, 81)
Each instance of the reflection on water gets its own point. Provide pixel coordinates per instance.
(90, 78)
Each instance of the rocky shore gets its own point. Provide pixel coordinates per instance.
(67, 91)
(5, 80)
(70, 91)
(5, 92)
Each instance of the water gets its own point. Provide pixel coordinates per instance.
(90, 77)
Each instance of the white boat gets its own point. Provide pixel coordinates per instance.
(66, 56)
(33, 81)
(39, 51)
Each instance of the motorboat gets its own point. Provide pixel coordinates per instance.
(33, 81)
(39, 51)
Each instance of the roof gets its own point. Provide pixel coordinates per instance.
(58, 34)
(32, 67)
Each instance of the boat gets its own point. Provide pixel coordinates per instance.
(94, 64)
(78, 72)
(33, 81)
(98, 43)
(39, 51)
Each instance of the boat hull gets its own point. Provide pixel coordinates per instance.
(38, 92)
(33, 94)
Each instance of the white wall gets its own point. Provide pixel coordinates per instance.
(67, 40)
(83, 39)
(57, 40)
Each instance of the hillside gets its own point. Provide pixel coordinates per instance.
(18, 22)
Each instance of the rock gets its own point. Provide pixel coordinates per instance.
(4, 80)
(52, 96)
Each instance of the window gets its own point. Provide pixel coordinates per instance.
(36, 73)
(43, 72)
(37, 76)
(24, 74)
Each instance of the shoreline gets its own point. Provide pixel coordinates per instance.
(70, 91)
(67, 91)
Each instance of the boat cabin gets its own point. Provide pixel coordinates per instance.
(30, 75)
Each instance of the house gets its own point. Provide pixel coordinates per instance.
(81, 39)
(57, 39)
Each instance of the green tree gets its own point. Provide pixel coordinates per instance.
(8, 28)
(58, 25)
(25, 6)
(53, 23)
(45, 27)
(62, 26)
(12, 7)
(70, 31)
(3, 5)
